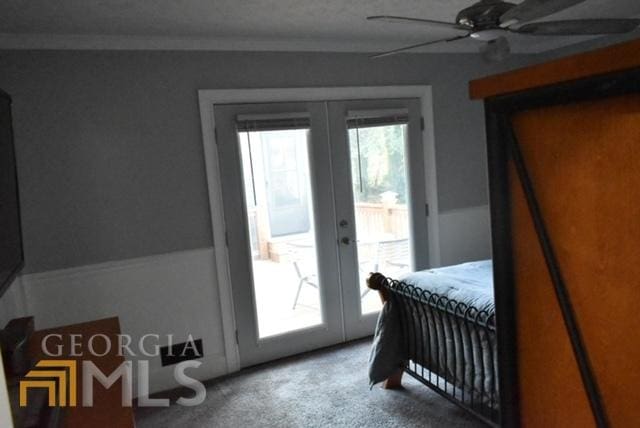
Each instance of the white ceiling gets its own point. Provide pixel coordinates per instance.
(313, 25)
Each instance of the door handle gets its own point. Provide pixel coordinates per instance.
(345, 240)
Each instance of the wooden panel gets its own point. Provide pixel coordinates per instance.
(584, 163)
(602, 61)
(107, 410)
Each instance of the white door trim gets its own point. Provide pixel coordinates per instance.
(209, 97)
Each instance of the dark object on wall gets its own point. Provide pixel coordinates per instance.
(11, 252)
(576, 116)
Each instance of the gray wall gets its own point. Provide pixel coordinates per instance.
(109, 145)
(589, 45)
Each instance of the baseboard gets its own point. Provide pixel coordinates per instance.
(162, 379)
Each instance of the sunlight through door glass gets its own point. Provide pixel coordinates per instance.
(280, 216)
(379, 179)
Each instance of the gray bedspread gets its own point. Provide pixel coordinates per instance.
(450, 348)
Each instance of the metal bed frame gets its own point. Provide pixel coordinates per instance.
(429, 322)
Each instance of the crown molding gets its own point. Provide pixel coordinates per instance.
(112, 42)
(123, 42)
(11, 41)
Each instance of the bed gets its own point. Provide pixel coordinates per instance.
(438, 326)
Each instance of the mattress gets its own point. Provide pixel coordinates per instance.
(470, 283)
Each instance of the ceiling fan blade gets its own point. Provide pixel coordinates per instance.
(529, 10)
(419, 45)
(407, 20)
(579, 27)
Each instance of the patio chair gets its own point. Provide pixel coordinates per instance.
(392, 257)
(303, 257)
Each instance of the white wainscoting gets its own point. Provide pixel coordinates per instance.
(177, 294)
(465, 235)
(174, 294)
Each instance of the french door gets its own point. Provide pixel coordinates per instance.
(316, 195)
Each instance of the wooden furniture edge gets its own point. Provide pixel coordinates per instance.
(108, 410)
(376, 282)
(111, 321)
(606, 60)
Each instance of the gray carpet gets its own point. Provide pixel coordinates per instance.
(326, 388)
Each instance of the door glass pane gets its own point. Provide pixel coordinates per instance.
(280, 217)
(379, 179)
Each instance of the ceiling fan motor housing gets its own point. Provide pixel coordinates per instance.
(483, 15)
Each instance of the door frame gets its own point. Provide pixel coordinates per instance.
(210, 97)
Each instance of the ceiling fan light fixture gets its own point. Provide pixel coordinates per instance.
(488, 35)
(496, 50)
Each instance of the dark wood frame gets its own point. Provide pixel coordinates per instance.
(501, 147)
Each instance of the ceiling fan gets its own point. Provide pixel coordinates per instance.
(491, 20)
